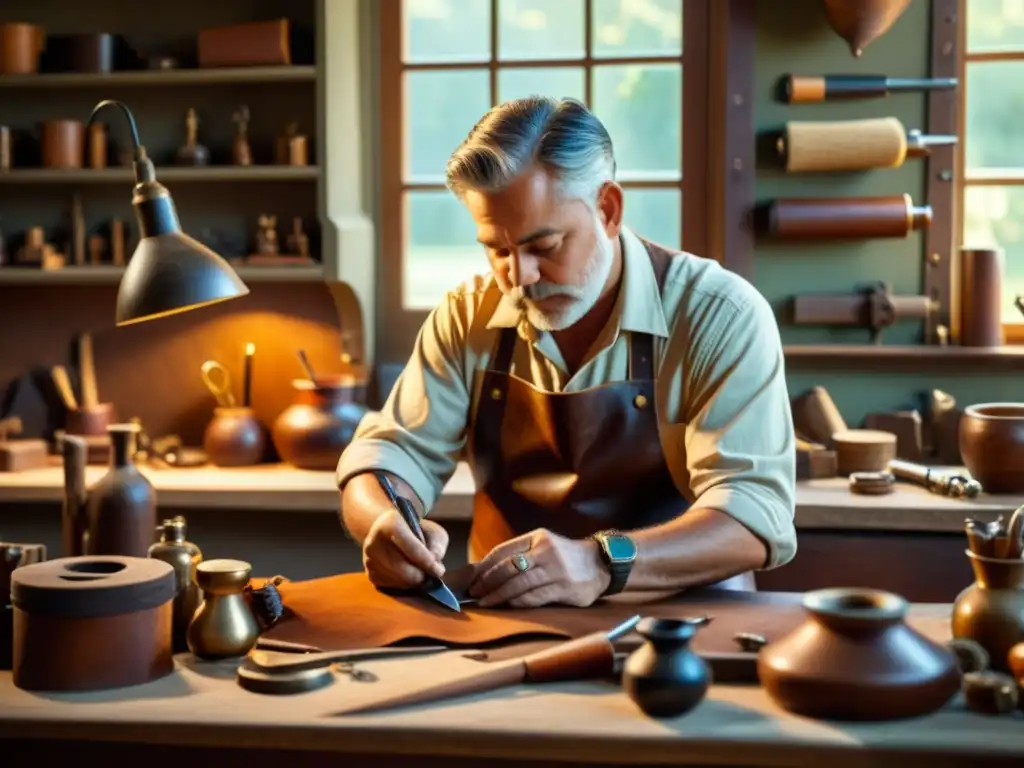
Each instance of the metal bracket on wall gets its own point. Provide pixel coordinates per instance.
(942, 167)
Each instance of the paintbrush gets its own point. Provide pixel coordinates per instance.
(61, 380)
(87, 373)
(306, 366)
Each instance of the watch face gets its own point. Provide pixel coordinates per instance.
(621, 548)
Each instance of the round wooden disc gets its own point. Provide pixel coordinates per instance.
(872, 483)
(865, 437)
(254, 679)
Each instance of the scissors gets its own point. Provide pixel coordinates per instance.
(218, 381)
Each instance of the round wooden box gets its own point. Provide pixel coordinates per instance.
(91, 623)
(864, 450)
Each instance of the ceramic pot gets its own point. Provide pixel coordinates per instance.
(991, 611)
(312, 432)
(20, 46)
(992, 445)
(234, 438)
(663, 676)
(122, 505)
(854, 658)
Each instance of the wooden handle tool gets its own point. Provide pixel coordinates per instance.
(87, 372)
(62, 382)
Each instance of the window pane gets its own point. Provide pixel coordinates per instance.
(446, 30)
(994, 216)
(540, 29)
(655, 214)
(995, 25)
(995, 103)
(441, 108)
(623, 28)
(641, 106)
(441, 250)
(561, 82)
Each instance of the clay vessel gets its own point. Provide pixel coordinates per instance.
(234, 438)
(860, 22)
(992, 445)
(122, 504)
(312, 432)
(663, 676)
(854, 658)
(991, 610)
(20, 46)
(63, 143)
(183, 556)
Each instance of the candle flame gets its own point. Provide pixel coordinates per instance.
(250, 349)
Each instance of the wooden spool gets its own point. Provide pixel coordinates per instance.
(92, 623)
(864, 450)
(843, 145)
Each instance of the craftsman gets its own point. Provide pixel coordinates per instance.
(623, 408)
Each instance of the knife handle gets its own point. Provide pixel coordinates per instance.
(411, 517)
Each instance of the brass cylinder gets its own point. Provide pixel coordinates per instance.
(97, 146)
(5, 148)
(981, 296)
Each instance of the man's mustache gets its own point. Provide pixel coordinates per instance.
(539, 291)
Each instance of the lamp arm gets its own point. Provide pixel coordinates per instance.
(144, 171)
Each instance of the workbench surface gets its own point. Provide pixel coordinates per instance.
(820, 503)
(200, 705)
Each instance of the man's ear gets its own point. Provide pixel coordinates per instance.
(610, 208)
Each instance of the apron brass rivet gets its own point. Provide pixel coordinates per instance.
(640, 401)
(495, 394)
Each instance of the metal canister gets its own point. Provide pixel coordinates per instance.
(183, 556)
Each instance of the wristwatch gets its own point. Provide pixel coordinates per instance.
(619, 553)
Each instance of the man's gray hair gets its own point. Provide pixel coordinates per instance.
(560, 135)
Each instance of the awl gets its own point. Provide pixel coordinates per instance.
(434, 587)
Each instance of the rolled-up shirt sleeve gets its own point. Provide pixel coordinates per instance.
(740, 447)
(419, 433)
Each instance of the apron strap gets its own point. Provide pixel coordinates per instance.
(641, 345)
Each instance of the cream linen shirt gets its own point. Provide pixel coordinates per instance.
(722, 403)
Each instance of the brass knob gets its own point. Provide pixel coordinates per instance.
(640, 401)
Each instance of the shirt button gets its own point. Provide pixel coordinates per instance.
(640, 401)
(495, 394)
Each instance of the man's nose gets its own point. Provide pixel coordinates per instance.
(523, 270)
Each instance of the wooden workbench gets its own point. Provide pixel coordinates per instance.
(200, 707)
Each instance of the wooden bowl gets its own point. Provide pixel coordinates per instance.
(992, 445)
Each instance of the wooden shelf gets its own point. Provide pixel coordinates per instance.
(906, 357)
(227, 75)
(105, 274)
(168, 174)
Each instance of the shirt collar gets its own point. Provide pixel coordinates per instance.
(639, 307)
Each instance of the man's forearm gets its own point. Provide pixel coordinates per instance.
(363, 501)
(701, 547)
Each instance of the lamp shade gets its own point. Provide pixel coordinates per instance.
(171, 273)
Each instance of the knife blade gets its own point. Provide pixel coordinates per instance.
(433, 586)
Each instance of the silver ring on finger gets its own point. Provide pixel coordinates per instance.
(520, 562)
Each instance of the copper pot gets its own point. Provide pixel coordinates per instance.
(856, 659)
(63, 144)
(20, 46)
(991, 610)
(234, 438)
(992, 445)
(860, 22)
(312, 432)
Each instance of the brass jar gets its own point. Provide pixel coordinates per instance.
(224, 627)
(991, 610)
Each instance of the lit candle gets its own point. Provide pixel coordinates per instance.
(250, 350)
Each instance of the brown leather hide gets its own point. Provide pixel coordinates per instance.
(347, 611)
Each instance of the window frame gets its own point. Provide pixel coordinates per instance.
(1013, 332)
(396, 326)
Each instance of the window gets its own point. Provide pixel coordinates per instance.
(444, 63)
(992, 144)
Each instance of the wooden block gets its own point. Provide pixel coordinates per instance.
(864, 450)
(19, 455)
(816, 416)
(814, 461)
(908, 428)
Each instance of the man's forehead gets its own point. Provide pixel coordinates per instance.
(526, 203)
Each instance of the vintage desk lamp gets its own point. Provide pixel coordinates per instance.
(169, 272)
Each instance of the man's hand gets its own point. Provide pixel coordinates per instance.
(393, 556)
(560, 570)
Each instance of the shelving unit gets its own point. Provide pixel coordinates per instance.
(911, 357)
(219, 203)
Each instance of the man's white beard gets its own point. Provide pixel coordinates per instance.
(584, 296)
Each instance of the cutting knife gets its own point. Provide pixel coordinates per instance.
(433, 587)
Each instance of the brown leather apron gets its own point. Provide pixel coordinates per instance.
(572, 462)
